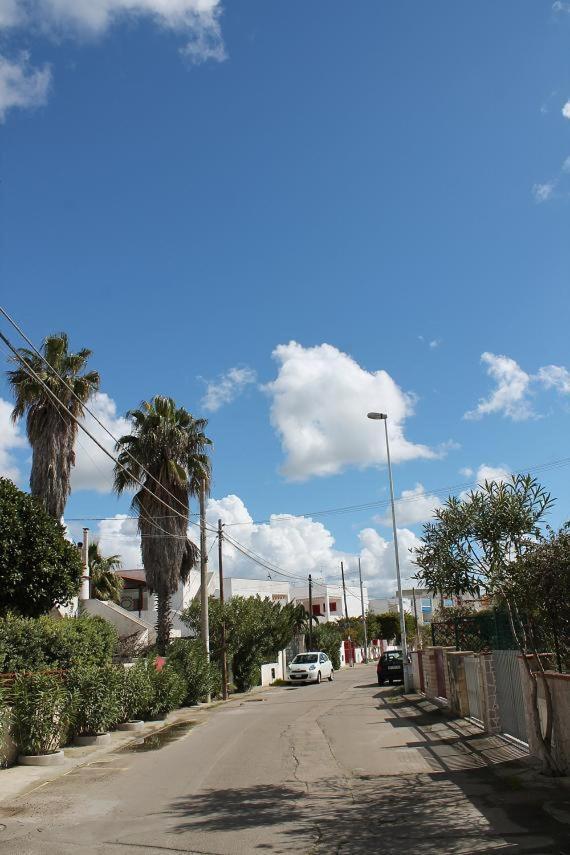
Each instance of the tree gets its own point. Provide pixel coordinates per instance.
(479, 544)
(106, 584)
(328, 638)
(39, 568)
(256, 630)
(169, 444)
(49, 425)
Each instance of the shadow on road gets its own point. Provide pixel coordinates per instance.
(462, 806)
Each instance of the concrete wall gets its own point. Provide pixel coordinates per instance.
(559, 685)
(126, 623)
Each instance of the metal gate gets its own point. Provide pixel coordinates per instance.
(472, 680)
(439, 673)
(510, 693)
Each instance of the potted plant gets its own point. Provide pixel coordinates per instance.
(135, 695)
(95, 691)
(41, 707)
(168, 690)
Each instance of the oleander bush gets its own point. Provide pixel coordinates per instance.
(40, 713)
(31, 644)
(168, 691)
(136, 691)
(96, 698)
(201, 678)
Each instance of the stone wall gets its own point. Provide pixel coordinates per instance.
(457, 697)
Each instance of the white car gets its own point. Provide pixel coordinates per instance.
(310, 667)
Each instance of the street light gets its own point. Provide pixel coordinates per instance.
(383, 417)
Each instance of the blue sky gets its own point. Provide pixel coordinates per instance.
(384, 184)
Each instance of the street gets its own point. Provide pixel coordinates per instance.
(344, 767)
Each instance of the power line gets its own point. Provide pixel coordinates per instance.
(84, 405)
(82, 427)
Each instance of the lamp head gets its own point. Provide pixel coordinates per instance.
(377, 416)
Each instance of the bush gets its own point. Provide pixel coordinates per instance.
(41, 709)
(29, 644)
(95, 698)
(327, 637)
(39, 567)
(189, 660)
(167, 691)
(135, 692)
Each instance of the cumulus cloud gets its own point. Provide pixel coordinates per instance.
(555, 377)
(414, 506)
(227, 387)
(11, 439)
(566, 110)
(510, 396)
(21, 85)
(319, 402)
(297, 545)
(544, 192)
(93, 469)
(378, 561)
(466, 471)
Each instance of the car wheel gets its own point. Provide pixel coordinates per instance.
(331, 676)
(319, 677)
(380, 682)
(391, 682)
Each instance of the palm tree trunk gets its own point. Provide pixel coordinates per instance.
(163, 622)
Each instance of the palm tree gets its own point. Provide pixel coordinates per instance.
(166, 452)
(51, 430)
(106, 584)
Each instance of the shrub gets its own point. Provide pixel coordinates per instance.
(135, 692)
(327, 637)
(189, 660)
(28, 644)
(95, 698)
(168, 690)
(41, 709)
(38, 565)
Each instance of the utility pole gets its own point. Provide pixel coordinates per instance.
(204, 571)
(310, 612)
(224, 653)
(85, 591)
(344, 591)
(363, 614)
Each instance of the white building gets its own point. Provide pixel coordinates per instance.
(328, 600)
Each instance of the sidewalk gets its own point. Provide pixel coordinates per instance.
(21, 780)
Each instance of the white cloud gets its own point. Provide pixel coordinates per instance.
(119, 536)
(22, 86)
(555, 376)
(10, 13)
(544, 192)
(510, 397)
(435, 343)
(10, 440)
(378, 561)
(93, 469)
(466, 471)
(319, 403)
(566, 110)
(492, 473)
(413, 507)
(560, 6)
(566, 165)
(227, 387)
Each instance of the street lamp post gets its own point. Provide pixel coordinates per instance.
(383, 417)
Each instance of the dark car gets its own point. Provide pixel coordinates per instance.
(390, 667)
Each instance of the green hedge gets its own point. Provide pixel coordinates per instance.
(31, 644)
(188, 658)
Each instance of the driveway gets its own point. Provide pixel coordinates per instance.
(344, 767)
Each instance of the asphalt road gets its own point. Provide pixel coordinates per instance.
(344, 767)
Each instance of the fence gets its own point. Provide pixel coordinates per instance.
(510, 693)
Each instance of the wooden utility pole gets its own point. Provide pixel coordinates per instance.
(310, 612)
(344, 591)
(223, 628)
(204, 571)
(363, 613)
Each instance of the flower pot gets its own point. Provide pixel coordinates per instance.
(94, 739)
(156, 721)
(131, 725)
(55, 759)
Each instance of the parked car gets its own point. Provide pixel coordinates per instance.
(390, 667)
(311, 667)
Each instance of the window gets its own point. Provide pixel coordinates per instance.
(316, 609)
(332, 607)
(321, 658)
(305, 659)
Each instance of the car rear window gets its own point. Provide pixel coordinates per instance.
(393, 657)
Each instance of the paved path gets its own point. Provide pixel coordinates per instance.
(333, 769)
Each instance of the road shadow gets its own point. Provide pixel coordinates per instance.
(477, 798)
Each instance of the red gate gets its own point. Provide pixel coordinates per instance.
(439, 673)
